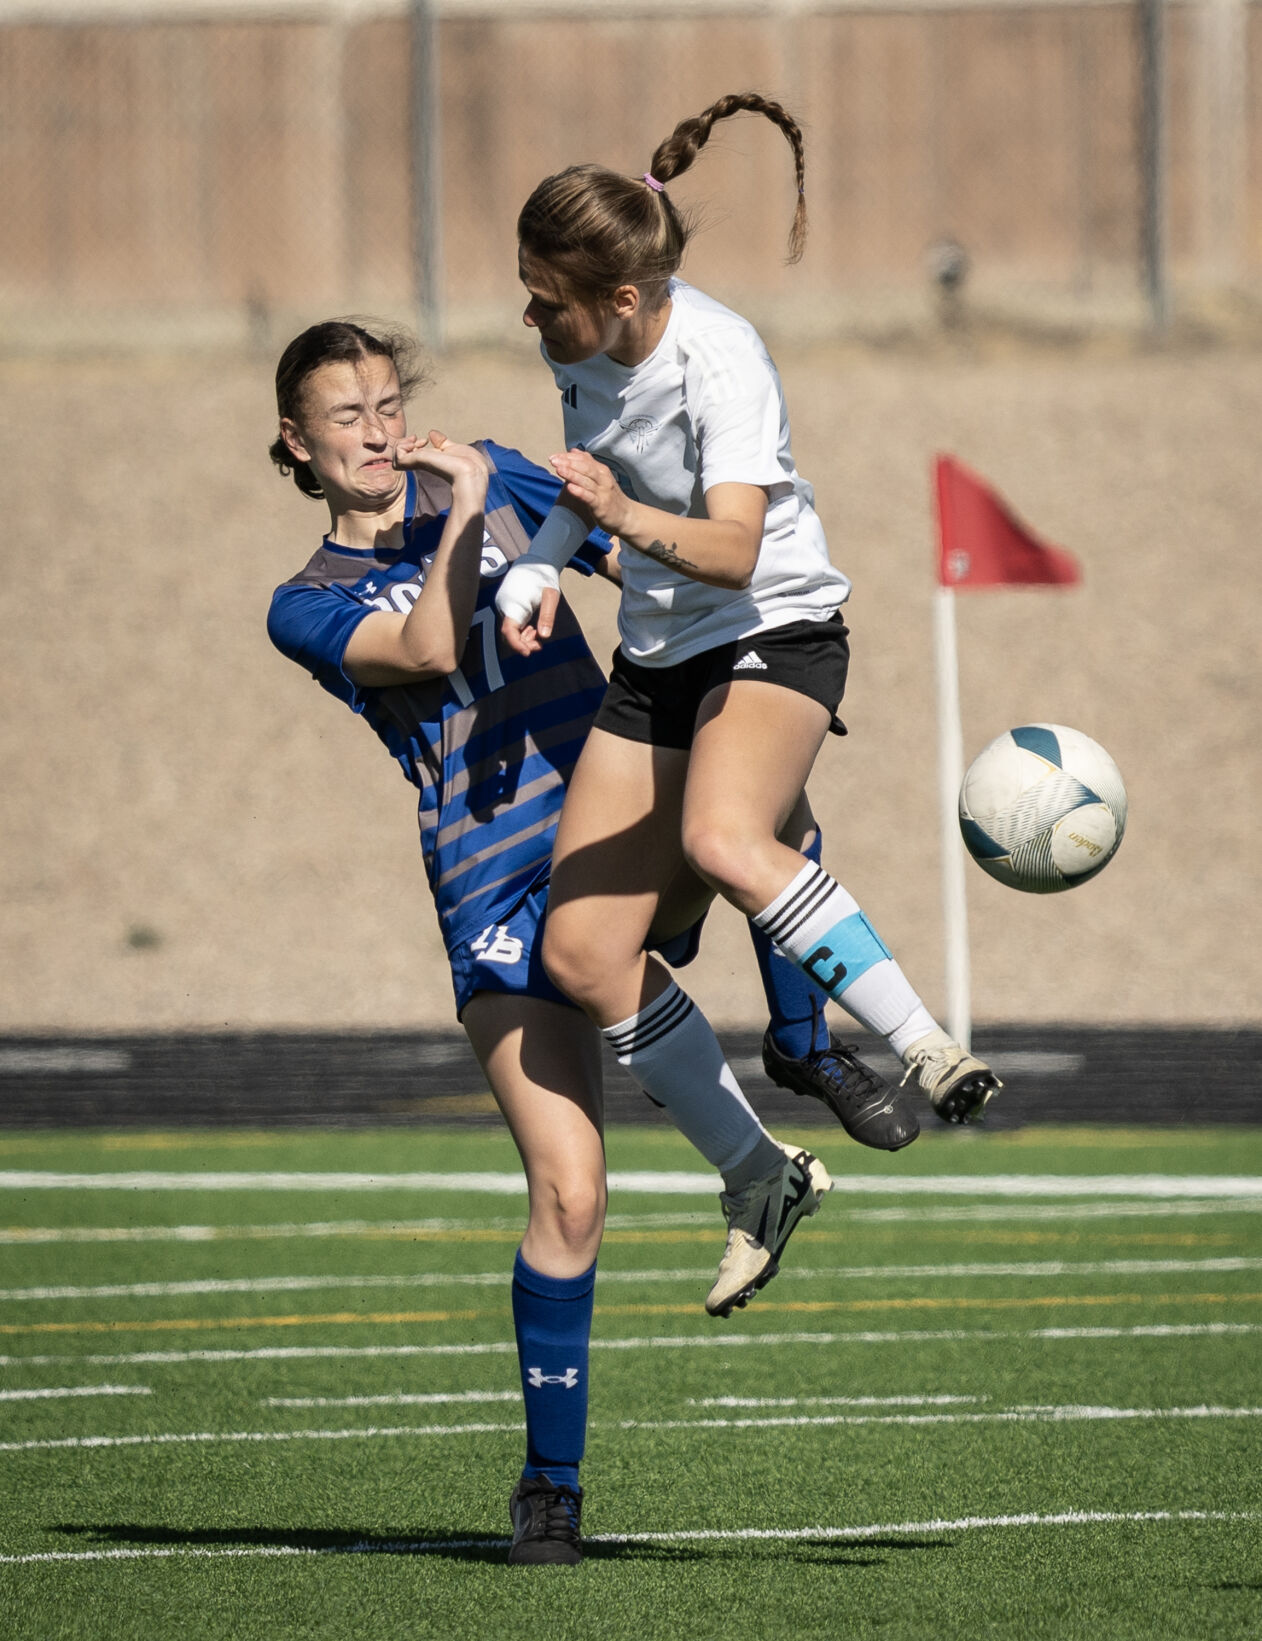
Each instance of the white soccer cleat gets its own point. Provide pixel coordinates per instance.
(760, 1218)
(958, 1084)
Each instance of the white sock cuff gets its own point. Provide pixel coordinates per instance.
(813, 897)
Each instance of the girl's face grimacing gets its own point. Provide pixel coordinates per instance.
(352, 417)
(572, 327)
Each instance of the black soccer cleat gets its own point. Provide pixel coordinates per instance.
(545, 1524)
(870, 1110)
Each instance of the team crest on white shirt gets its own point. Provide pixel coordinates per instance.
(640, 431)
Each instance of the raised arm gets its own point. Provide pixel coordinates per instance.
(389, 648)
(720, 550)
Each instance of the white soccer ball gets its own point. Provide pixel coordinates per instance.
(1042, 808)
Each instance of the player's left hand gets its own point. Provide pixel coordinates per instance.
(592, 485)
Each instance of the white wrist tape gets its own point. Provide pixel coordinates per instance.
(559, 537)
(523, 587)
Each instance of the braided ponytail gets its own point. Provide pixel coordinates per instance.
(673, 157)
(598, 229)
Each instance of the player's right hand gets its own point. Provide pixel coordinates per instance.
(457, 463)
(527, 601)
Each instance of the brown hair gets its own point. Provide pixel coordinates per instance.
(330, 342)
(599, 229)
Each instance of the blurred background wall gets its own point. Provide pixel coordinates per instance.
(225, 168)
(193, 835)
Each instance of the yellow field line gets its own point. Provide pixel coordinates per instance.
(329, 1319)
(1042, 1302)
(797, 1306)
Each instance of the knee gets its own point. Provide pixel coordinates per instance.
(568, 1212)
(567, 961)
(721, 852)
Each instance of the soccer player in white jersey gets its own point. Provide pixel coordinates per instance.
(732, 660)
(394, 615)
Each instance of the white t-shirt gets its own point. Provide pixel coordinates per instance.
(705, 408)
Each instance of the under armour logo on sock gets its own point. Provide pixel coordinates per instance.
(536, 1378)
(751, 661)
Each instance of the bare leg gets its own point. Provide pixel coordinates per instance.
(751, 756)
(542, 1062)
(753, 752)
(617, 852)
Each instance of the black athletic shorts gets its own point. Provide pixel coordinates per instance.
(660, 704)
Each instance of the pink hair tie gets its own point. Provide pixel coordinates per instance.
(657, 187)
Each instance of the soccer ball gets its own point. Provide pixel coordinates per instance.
(1042, 808)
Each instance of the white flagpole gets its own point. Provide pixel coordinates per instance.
(950, 777)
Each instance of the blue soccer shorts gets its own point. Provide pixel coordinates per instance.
(507, 956)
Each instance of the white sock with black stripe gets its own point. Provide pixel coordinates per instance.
(819, 925)
(671, 1051)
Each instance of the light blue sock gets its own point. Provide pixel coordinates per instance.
(552, 1316)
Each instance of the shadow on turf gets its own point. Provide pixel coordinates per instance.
(334, 1541)
(843, 1552)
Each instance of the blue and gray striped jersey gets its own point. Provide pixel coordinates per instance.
(492, 745)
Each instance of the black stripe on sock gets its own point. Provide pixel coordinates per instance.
(800, 908)
(650, 1026)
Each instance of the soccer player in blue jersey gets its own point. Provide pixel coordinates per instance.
(394, 615)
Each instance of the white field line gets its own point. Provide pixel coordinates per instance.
(1017, 1415)
(52, 1394)
(654, 1183)
(428, 1398)
(716, 1341)
(740, 1535)
(1062, 1518)
(832, 1401)
(18, 1235)
(443, 1279)
(1004, 1212)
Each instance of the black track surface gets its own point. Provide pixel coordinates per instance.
(1061, 1074)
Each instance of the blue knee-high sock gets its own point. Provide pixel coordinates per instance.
(552, 1316)
(794, 1006)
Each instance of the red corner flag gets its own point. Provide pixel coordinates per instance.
(981, 543)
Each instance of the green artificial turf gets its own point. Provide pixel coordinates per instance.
(905, 1435)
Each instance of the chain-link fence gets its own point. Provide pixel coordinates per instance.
(225, 168)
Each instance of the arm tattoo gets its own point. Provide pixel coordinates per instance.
(669, 557)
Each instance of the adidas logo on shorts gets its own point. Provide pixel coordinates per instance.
(751, 661)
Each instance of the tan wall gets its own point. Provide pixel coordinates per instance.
(266, 167)
(194, 834)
